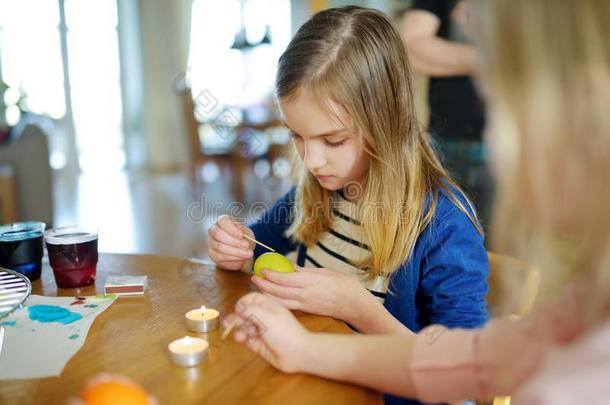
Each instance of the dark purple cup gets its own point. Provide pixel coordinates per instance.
(72, 255)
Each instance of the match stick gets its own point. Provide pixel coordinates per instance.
(257, 242)
(227, 330)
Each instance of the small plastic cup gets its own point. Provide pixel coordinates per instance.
(21, 248)
(72, 255)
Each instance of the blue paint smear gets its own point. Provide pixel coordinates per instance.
(52, 313)
(9, 323)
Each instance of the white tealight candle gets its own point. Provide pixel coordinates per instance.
(188, 351)
(202, 319)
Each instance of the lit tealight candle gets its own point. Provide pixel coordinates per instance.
(202, 319)
(188, 351)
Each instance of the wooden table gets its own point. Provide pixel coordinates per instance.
(131, 338)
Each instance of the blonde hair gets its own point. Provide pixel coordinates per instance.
(355, 57)
(546, 68)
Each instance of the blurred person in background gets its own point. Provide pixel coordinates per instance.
(437, 37)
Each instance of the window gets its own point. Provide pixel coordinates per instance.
(233, 55)
(30, 52)
(32, 62)
(93, 58)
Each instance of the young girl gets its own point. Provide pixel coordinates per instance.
(384, 238)
(546, 76)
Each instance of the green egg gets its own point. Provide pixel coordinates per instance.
(272, 261)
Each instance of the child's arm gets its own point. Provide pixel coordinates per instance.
(371, 317)
(435, 365)
(330, 293)
(453, 285)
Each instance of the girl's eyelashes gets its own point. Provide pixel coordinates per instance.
(334, 144)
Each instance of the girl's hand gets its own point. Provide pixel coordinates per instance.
(318, 291)
(269, 329)
(226, 245)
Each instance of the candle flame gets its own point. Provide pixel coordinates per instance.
(187, 341)
(203, 308)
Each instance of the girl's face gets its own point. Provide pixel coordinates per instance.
(327, 145)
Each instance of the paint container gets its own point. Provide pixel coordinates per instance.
(21, 248)
(72, 255)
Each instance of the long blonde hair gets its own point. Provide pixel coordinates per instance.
(355, 57)
(546, 69)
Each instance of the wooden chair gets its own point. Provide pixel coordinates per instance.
(27, 186)
(197, 156)
(239, 164)
(501, 401)
(524, 280)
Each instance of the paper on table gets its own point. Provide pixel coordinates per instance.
(42, 337)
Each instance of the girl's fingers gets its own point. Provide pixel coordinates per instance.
(239, 336)
(257, 346)
(260, 348)
(316, 270)
(237, 324)
(246, 329)
(230, 226)
(287, 279)
(248, 299)
(257, 307)
(232, 319)
(236, 253)
(290, 304)
(223, 236)
(264, 302)
(245, 230)
(252, 331)
(223, 259)
(231, 264)
(250, 327)
(275, 289)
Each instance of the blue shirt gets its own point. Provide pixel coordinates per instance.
(444, 281)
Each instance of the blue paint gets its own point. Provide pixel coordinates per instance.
(91, 306)
(52, 313)
(9, 323)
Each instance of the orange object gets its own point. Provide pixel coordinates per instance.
(114, 392)
(318, 5)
